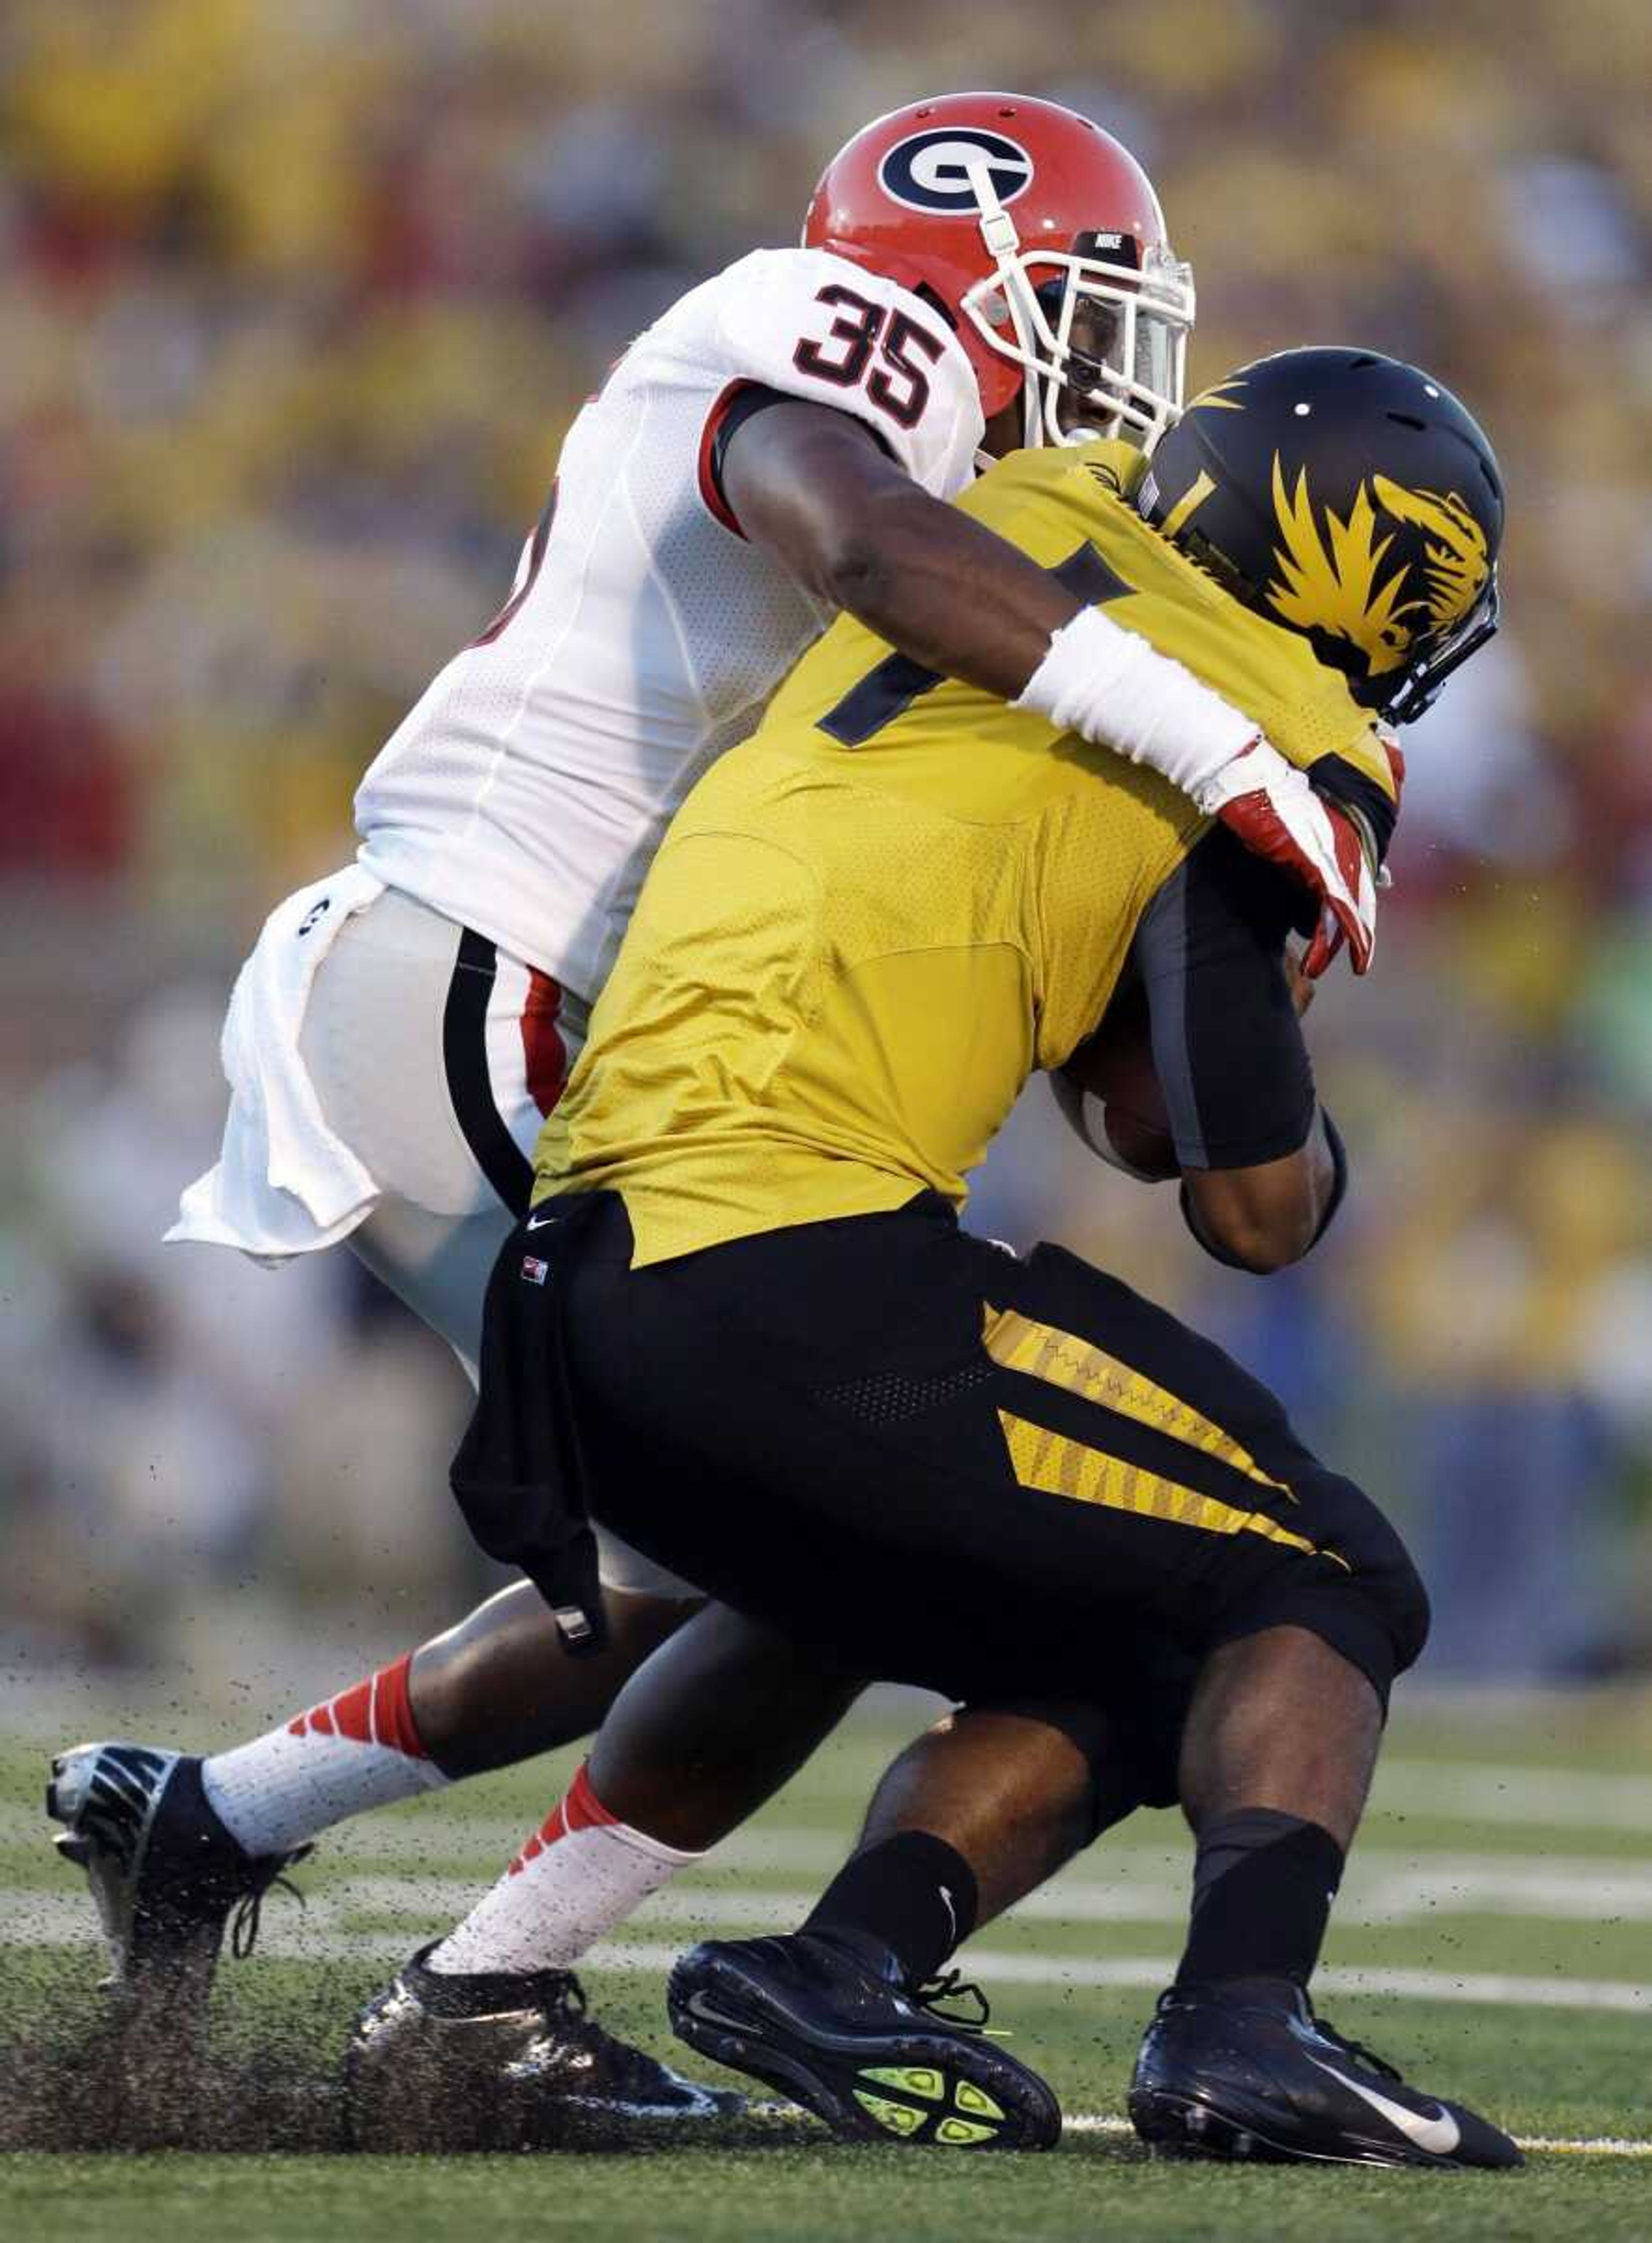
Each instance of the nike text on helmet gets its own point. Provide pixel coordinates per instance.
(1040, 238)
(1349, 497)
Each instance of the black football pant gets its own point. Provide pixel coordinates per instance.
(939, 1463)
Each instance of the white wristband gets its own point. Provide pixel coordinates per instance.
(1113, 686)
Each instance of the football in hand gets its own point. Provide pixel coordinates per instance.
(1110, 1096)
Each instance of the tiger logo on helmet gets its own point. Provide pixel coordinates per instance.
(1348, 496)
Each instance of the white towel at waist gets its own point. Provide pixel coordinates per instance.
(284, 1184)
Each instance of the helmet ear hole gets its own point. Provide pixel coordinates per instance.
(937, 303)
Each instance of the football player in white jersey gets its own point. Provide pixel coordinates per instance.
(976, 272)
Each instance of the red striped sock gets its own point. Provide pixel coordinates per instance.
(580, 1875)
(581, 1810)
(376, 1712)
(359, 1750)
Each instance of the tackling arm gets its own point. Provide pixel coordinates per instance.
(816, 488)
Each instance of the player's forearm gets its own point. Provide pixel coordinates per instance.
(947, 593)
(1263, 1219)
(815, 488)
(958, 600)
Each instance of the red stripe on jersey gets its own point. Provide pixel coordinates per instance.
(716, 504)
(543, 1047)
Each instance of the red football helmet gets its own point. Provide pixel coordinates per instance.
(1041, 237)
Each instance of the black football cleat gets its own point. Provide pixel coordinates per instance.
(504, 2060)
(165, 1874)
(833, 2028)
(1236, 2072)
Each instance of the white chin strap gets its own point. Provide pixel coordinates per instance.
(1127, 406)
(1004, 248)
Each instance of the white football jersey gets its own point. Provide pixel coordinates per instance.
(526, 793)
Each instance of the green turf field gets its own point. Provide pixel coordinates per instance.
(1495, 1937)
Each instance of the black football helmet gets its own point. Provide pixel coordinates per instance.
(1349, 497)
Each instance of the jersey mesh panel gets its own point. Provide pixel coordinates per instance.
(743, 619)
(887, 1397)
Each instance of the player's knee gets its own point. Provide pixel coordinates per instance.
(1384, 1600)
(1410, 1615)
(1378, 1570)
(1358, 1588)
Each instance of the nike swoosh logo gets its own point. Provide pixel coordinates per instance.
(951, 1912)
(1439, 2136)
(538, 1222)
(709, 2013)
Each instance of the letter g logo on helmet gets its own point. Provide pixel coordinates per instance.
(929, 171)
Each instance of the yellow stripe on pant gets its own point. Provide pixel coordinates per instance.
(1061, 1358)
(1060, 1467)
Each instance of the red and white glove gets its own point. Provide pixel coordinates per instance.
(1109, 684)
(1276, 812)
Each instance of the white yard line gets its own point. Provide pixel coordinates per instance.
(1477, 1791)
(1116, 1881)
(1602, 2146)
(1381, 1890)
(1098, 2122)
(41, 1918)
(1499, 1989)
(1456, 1791)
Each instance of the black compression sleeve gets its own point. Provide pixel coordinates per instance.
(1227, 1046)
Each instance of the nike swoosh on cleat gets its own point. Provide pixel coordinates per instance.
(709, 2013)
(1439, 2136)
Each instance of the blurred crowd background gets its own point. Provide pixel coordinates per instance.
(297, 300)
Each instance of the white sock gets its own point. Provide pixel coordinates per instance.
(583, 1873)
(358, 1750)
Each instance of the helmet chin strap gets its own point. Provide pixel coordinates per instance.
(997, 227)
(1004, 248)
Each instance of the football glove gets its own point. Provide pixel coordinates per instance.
(1275, 811)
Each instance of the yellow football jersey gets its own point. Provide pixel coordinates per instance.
(870, 921)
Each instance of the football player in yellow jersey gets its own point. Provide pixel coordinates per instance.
(740, 1324)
